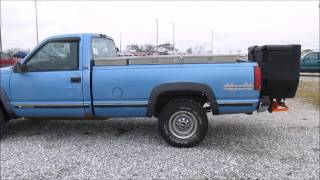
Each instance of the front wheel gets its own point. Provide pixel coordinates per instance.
(2, 121)
(183, 123)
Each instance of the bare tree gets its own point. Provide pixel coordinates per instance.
(189, 50)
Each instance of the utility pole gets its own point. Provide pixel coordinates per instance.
(173, 37)
(0, 29)
(212, 41)
(120, 41)
(36, 11)
(157, 34)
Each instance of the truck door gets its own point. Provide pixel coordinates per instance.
(51, 84)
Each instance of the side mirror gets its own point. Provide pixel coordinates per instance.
(19, 68)
(118, 51)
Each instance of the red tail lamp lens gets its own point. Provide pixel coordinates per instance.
(257, 78)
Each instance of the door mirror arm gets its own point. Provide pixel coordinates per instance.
(20, 68)
(304, 59)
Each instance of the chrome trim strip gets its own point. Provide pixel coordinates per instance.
(31, 106)
(120, 103)
(85, 105)
(237, 102)
(120, 106)
(115, 104)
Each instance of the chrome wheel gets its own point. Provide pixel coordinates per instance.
(183, 124)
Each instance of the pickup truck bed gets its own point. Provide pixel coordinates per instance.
(231, 89)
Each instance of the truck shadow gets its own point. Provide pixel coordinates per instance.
(76, 128)
(240, 137)
(223, 135)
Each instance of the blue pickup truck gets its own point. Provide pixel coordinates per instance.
(80, 76)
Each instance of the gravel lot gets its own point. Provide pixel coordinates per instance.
(310, 77)
(264, 146)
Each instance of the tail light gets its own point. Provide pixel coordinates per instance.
(257, 78)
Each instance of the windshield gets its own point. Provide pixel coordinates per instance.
(103, 48)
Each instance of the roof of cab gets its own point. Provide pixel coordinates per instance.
(78, 35)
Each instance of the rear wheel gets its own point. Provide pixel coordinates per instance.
(183, 123)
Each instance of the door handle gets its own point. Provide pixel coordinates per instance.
(75, 79)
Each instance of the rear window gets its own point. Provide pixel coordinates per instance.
(103, 48)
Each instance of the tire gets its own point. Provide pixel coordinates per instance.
(183, 123)
(2, 121)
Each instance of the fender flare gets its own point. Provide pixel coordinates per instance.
(4, 100)
(181, 86)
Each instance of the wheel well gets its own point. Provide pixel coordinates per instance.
(165, 97)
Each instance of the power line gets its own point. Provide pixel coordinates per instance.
(120, 41)
(0, 29)
(212, 41)
(157, 38)
(173, 37)
(36, 13)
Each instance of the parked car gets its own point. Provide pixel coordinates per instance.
(140, 53)
(7, 60)
(20, 55)
(310, 62)
(90, 81)
(128, 53)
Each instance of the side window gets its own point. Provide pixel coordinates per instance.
(55, 56)
(103, 48)
(313, 57)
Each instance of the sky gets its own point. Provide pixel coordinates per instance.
(236, 25)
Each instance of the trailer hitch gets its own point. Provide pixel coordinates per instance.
(278, 105)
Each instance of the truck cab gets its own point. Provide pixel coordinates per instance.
(54, 79)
